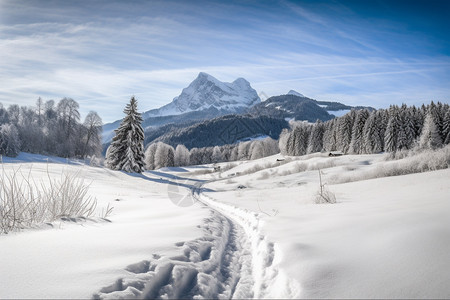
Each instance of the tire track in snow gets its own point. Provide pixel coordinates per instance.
(231, 260)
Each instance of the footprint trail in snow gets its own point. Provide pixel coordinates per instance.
(231, 260)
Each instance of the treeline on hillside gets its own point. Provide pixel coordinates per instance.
(49, 128)
(361, 131)
(358, 132)
(160, 155)
(219, 131)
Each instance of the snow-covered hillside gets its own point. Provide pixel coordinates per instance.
(205, 92)
(75, 259)
(384, 238)
(250, 231)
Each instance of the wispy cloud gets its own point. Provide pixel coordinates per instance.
(102, 52)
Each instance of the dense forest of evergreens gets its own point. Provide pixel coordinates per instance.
(361, 131)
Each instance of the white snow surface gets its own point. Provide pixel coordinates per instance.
(76, 259)
(205, 92)
(253, 231)
(385, 238)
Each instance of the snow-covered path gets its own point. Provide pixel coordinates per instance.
(231, 260)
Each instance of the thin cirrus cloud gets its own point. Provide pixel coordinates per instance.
(102, 52)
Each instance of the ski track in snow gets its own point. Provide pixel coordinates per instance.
(231, 260)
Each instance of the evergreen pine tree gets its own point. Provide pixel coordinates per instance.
(329, 136)
(392, 129)
(344, 136)
(430, 137)
(283, 141)
(406, 128)
(372, 139)
(301, 136)
(446, 127)
(170, 156)
(127, 147)
(357, 143)
(315, 143)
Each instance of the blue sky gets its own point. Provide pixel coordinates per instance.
(101, 52)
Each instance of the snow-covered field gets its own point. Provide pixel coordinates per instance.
(77, 259)
(250, 231)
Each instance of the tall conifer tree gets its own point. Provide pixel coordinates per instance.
(127, 147)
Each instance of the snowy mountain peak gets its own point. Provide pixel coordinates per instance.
(205, 92)
(295, 93)
(241, 82)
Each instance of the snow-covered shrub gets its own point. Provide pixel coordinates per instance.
(324, 195)
(24, 203)
(227, 167)
(414, 161)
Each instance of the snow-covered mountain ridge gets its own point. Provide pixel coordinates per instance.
(206, 91)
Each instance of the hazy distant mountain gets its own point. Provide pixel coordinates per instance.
(206, 92)
(291, 107)
(295, 105)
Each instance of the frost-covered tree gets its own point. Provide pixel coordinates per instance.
(256, 150)
(446, 128)
(270, 146)
(430, 137)
(392, 129)
(216, 155)
(39, 111)
(127, 146)
(373, 137)
(406, 128)
(195, 156)
(14, 114)
(150, 156)
(315, 143)
(92, 134)
(344, 134)
(244, 151)
(282, 141)
(329, 136)
(300, 140)
(164, 156)
(357, 142)
(207, 153)
(9, 140)
(181, 156)
(67, 127)
(234, 153)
